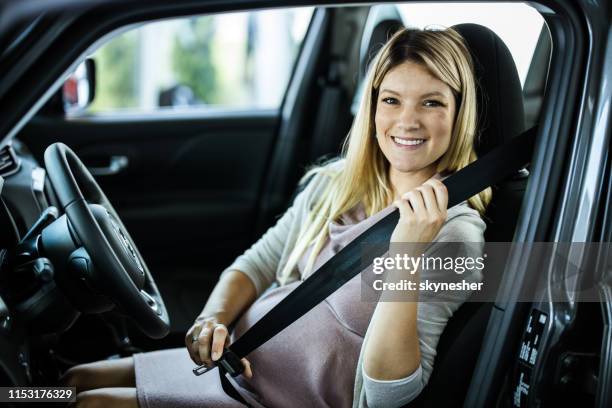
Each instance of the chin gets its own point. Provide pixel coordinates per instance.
(406, 167)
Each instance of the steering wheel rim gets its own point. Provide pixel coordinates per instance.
(119, 267)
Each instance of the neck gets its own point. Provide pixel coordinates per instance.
(402, 182)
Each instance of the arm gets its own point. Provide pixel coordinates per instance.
(391, 376)
(262, 262)
(392, 351)
(242, 282)
(232, 295)
(238, 287)
(431, 318)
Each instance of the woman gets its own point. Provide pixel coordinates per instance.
(416, 124)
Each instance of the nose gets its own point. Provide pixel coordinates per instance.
(409, 118)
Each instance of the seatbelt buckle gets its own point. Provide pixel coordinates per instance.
(229, 362)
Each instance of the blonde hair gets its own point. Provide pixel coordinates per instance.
(364, 177)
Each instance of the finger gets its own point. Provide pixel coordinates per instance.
(194, 330)
(429, 198)
(219, 339)
(204, 346)
(415, 199)
(194, 353)
(195, 346)
(404, 208)
(248, 372)
(191, 345)
(441, 193)
(188, 337)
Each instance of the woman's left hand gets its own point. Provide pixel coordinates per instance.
(422, 213)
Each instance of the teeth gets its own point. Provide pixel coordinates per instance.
(408, 142)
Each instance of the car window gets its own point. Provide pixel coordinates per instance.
(213, 61)
(501, 18)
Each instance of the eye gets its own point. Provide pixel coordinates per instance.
(432, 103)
(389, 100)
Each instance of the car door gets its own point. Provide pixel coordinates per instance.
(180, 135)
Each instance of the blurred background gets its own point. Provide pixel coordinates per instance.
(244, 60)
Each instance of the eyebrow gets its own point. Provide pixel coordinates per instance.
(428, 94)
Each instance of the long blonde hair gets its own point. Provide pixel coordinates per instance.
(364, 177)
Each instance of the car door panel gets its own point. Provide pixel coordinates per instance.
(191, 183)
(189, 193)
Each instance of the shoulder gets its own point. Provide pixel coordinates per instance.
(319, 176)
(325, 170)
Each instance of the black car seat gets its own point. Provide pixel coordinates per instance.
(501, 116)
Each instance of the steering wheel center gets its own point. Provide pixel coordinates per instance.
(120, 243)
(120, 271)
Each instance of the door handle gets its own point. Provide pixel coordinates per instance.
(116, 165)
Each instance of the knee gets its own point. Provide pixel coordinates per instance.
(99, 374)
(89, 399)
(107, 397)
(76, 376)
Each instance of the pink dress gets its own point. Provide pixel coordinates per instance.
(311, 363)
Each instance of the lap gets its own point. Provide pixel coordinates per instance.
(164, 378)
(160, 379)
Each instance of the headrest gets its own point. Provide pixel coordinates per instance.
(379, 28)
(499, 92)
(373, 40)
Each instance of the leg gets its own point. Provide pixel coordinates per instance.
(107, 397)
(101, 374)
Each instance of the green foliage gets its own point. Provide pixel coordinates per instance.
(192, 60)
(116, 64)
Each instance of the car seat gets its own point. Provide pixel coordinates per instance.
(501, 116)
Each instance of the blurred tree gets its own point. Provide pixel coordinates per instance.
(115, 73)
(192, 60)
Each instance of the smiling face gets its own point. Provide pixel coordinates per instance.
(414, 120)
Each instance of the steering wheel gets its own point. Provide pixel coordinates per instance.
(120, 272)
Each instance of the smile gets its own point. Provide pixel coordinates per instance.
(408, 143)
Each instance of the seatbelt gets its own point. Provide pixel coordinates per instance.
(333, 116)
(495, 166)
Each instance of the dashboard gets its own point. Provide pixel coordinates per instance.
(26, 191)
(24, 194)
(40, 290)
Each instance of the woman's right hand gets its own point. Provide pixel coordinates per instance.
(205, 341)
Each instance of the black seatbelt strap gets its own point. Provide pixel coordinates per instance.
(495, 166)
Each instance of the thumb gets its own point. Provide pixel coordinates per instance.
(248, 372)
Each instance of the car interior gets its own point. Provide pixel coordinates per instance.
(192, 201)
